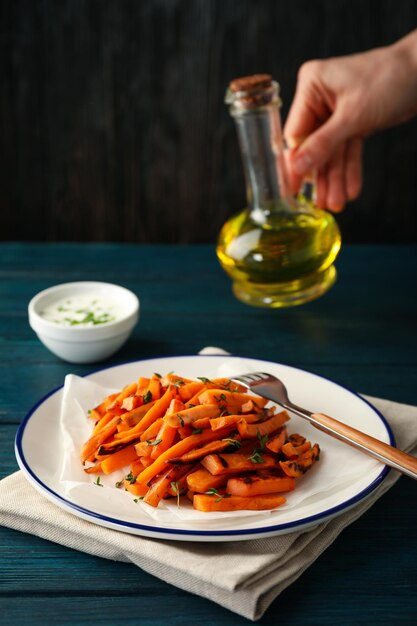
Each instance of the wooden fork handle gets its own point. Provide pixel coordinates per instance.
(385, 453)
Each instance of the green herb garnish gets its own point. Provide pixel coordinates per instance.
(256, 457)
(153, 443)
(176, 488)
(234, 442)
(130, 478)
(90, 318)
(214, 492)
(147, 397)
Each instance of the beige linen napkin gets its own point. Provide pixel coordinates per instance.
(244, 577)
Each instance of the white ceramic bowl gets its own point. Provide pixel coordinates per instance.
(84, 343)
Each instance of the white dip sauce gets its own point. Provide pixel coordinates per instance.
(82, 310)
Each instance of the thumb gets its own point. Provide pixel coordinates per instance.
(320, 145)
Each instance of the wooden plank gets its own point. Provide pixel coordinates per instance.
(362, 334)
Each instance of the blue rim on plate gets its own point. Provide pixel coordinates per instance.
(154, 530)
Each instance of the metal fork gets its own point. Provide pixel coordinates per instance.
(273, 388)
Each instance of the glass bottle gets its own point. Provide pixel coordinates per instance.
(279, 251)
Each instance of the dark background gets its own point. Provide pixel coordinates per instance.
(113, 125)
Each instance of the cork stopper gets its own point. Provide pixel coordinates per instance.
(251, 92)
(251, 83)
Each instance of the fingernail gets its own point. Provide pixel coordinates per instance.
(302, 164)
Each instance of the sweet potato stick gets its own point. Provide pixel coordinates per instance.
(201, 480)
(199, 453)
(188, 416)
(230, 399)
(92, 444)
(254, 485)
(133, 417)
(157, 410)
(236, 463)
(226, 420)
(218, 502)
(118, 460)
(129, 390)
(165, 436)
(250, 431)
(179, 449)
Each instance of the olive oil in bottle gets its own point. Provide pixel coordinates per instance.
(280, 250)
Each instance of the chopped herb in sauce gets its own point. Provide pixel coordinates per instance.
(82, 310)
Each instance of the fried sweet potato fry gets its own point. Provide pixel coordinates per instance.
(291, 451)
(188, 390)
(107, 417)
(190, 415)
(226, 420)
(250, 431)
(162, 483)
(118, 460)
(132, 402)
(92, 444)
(204, 502)
(135, 488)
(234, 463)
(230, 400)
(277, 440)
(199, 453)
(157, 410)
(127, 391)
(133, 417)
(164, 439)
(201, 480)
(103, 407)
(256, 484)
(299, 466)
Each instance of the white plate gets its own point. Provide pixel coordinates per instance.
(341, 479)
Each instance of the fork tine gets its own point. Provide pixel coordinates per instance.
(252, 377)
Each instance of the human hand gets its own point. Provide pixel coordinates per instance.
(340, 101)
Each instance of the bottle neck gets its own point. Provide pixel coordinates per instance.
(262, 149)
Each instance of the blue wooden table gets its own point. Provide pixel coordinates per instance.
(363, 334)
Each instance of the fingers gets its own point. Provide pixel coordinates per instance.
(330, 186)
(354, 167)
(321, 188)
(294, 180)
(340, 180)
(336, 188)
(301, 120)
(320, 146)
